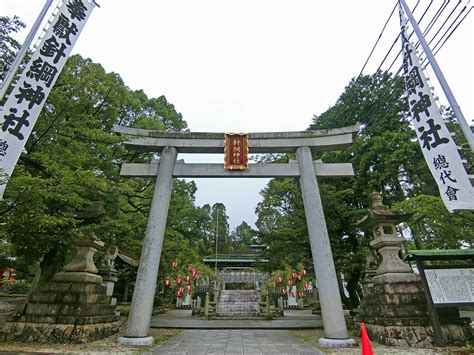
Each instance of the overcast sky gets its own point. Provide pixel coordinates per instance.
(252, 65)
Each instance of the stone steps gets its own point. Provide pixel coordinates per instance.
(237, 304)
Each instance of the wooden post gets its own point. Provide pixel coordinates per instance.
(433, 315)
(206, 305)
(267, 306)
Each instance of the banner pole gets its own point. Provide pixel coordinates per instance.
(23, 49)
(466, 129)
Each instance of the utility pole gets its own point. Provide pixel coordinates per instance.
(466, 129)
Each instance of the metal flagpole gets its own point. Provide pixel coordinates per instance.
(21, 53)
(447, 91)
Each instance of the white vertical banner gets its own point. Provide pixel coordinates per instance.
(437, 145)
(22, 108)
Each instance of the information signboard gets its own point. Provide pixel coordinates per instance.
(451, 286)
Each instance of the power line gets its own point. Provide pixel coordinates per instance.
(435, 17)
(378, 39)
(396, 39)
(393, 44)
(464, 9)
(447, 18)
(454, 30)
(418, 43)
(400, 68)
(399, 85)
(430, 26)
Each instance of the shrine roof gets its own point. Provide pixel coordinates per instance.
(441, 254)
(235, 259)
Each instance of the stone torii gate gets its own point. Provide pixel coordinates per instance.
(169, 144)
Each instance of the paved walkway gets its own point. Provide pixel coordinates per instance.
(182, 319)
(234, 341)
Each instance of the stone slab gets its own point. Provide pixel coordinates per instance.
(227, 341)
(337, 343)
(79, 277)
(65, 287)
(139, 341)
(394, 278)
(57, 333)
(70, 297)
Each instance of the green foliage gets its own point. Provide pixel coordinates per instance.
(242, 238)
(71, 167)
(432, 226)
(281, 224)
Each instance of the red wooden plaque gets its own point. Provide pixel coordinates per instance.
(236, 151)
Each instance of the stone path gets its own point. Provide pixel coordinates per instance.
(182, 319)
(233, 341)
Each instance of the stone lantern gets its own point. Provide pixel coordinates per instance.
(394, 307)
(386, 242)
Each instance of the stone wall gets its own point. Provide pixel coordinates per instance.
(73, 307)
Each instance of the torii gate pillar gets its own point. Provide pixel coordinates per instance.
(331, 306)
(139, 319)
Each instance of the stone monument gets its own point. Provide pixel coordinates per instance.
(394, 305)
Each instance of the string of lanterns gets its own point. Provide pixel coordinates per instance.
(185, 284)
(295, 280)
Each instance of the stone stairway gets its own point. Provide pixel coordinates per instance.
(237, 304)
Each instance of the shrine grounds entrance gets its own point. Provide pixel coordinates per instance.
(169, 144)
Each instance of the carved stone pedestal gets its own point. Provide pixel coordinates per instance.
(395, 314)
(72, 307)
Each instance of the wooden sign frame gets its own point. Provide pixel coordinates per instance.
(236, 151)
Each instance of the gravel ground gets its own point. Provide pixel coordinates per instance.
(103, 346)
(311, 337)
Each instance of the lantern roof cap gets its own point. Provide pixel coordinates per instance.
(379, 213)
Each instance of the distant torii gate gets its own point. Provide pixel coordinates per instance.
(169, 144)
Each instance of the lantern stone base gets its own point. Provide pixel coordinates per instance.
(72, 307)
(395, 314)
(395, 277)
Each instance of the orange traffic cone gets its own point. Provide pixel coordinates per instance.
(365, 341)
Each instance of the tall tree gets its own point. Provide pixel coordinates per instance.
(8, 45)
(243, 237)
(221, 228)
